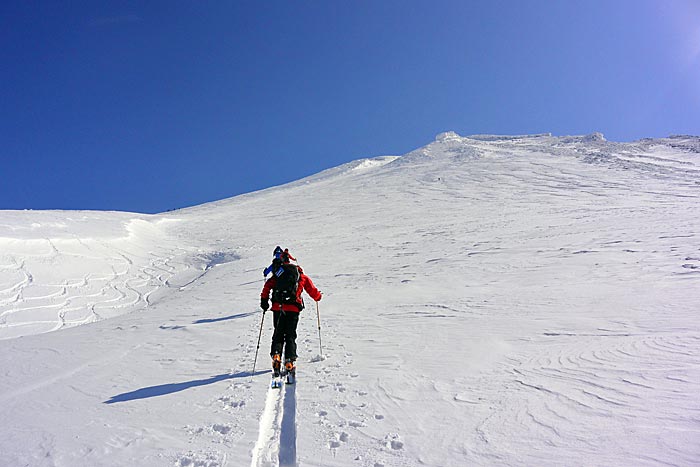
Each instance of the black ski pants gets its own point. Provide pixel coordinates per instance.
(285, 334)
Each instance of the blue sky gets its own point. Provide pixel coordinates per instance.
(150, 106)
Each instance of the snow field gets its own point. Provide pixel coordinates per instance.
(487, 301)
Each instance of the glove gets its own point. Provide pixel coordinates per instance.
(320, 296)
(264, 304)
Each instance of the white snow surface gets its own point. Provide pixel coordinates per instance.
(488, 300)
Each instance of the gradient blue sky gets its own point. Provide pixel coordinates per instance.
(150, 106)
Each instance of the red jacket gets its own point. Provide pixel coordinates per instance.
(304, 284)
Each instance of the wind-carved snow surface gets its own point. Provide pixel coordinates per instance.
(488, 300)
(60, 269)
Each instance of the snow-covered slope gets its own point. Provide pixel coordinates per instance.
(60, 269)
(488, 300)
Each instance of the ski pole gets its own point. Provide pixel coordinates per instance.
(318, 317)
(258, 347)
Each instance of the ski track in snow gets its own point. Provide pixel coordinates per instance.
(487, 301)
(276, 445)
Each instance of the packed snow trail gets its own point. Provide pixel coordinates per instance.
(277, 436)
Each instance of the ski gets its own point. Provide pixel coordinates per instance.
(291, 377)
(276, 379)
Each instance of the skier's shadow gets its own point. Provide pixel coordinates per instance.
(164, 389)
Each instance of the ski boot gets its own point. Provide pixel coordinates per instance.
(276, 364)
(276, 374)
(290, 371)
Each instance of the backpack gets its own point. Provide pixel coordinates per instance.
(278, 257)
(286, 285)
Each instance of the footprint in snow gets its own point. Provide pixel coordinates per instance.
(231, 403)
(339, 387)
(393, 441)
(199, 459)
(221, 429)
(334, 444)
(339, 439)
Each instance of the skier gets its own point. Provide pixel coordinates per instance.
(287, 283)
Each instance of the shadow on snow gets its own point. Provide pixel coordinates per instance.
(164, 389)
(288, 429)
(225, 318)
